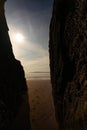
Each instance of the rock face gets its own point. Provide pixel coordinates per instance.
(12, 80)
(68, 63)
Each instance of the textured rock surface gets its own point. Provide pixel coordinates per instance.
(12, 81)
(68, 63)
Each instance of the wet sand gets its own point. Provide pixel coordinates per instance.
(42, 113)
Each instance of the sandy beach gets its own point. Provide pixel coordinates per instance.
(42, 113)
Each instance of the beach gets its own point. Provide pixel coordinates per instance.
(42, 112)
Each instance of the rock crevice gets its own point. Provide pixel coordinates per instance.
(68, 62)
(12, 78)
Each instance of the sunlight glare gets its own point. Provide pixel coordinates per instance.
(19, 37)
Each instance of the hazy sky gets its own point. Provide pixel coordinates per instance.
(29, 20)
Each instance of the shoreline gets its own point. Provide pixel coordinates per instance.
(38, 79)
(42, 111)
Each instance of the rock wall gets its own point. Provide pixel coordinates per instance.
(12, 79)
(68, 63)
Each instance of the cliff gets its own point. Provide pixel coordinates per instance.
(68, 63)
(12, 79)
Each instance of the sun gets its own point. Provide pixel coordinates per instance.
(19, 37)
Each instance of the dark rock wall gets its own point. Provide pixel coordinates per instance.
(68, 63)
(12, 79)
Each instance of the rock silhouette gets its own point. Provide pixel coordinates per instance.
(12, 79)
(68, 63)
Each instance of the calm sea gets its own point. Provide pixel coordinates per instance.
(39, 75)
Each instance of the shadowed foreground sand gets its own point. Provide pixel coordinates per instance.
(41, 105)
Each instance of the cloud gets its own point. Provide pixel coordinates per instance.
(33, 25)
(40, 65)
(32, 56)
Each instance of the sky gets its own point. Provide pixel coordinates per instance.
(28, 22)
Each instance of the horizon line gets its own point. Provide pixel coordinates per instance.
(39, 72)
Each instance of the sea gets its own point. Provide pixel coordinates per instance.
(39, 76)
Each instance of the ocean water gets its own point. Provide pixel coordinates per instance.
(39, 75)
